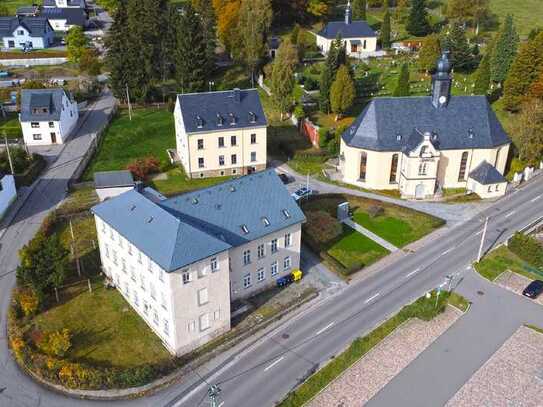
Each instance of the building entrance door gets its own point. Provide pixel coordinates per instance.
(53, 138)
(420, 190)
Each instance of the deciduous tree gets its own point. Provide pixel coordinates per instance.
(227, 12)
(529, 131)
(359, 9)
(429, 53)
(76, 42)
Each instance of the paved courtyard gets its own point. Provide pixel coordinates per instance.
(516, 283)
(379, 366)
(513, 376)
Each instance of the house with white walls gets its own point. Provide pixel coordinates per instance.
(8, 193)
(180, 261)
(26, 32)
(48, 116)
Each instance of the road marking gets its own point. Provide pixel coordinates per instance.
(479, 232)
(510, 213)
(536, 198)
(274, 363)
(468, 267)
(413, 272)
(325, 328)
(447, 251)
(372, 298)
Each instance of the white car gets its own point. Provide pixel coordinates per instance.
(301, 193)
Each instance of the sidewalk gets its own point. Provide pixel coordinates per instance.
(360, 229)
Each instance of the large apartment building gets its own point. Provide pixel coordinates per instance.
(180, 261)
(221, 133)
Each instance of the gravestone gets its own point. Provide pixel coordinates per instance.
(343, 211)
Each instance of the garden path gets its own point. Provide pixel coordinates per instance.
(379, 240)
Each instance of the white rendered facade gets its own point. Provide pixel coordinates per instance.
(8, 193)
(22, 37)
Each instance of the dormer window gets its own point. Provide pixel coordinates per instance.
(220, 120)
(265, 221)
(423, 151)
(244, 229)
(199, 122)
(232, 119)
(286, 213)
(252, 117)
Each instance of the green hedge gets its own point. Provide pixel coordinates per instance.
(32, 172)
(424, 309)
(527, 248)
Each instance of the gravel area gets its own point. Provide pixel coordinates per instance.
(516, 283)
(379, 366)
(513, 376)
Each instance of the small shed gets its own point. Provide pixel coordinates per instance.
(486, 181)
(112, 183)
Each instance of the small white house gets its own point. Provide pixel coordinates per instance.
(112, 183)
(8, 192)
(486, 181)
(26, 32)
(359, 38)
(48, 116)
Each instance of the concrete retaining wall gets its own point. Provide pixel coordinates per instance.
(33, 61)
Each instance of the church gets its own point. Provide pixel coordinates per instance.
(423, 145)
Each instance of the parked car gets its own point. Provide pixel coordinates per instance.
(4, 74)
(285, 178)
(303, 192)
(534, 289)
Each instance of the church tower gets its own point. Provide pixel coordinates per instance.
(348, 13)
(442, 82)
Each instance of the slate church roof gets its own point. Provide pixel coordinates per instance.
(179, 231)
(355, 29)
(212, 111)
(394, 124)
(41, 104)
(486, 174)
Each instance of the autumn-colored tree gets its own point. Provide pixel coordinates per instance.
(342, 92)
(142, 167)
(529, 130)
(28, 301)
(227, 12)
(429, 53)
(536, 90)
(56, 343)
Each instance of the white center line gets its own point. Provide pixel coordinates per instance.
(372, 298)
(325, 328)
(536, 198)
(446, 251)
(413, 272)
(479, 232)
(510, 213)
(274, 363)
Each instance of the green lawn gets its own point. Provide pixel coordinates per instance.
(10, 126)
(106, 331)
(177, 182)
(527, 14)
(501, 260)
(150, 132)
(12, 5)
(355, 251)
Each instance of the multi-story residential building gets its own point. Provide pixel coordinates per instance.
(220, 133)
(180, 261)
(31, 32)
(48, 116)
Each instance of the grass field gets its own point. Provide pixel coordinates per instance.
(150, 132)
(501, 260)
(527, 14)
(12, 5)
(177, 182)
(10, 126)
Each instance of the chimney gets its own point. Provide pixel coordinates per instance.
(236, 95)
(348, 14)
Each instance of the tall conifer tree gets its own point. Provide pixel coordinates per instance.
(417, 23)
(504, 51)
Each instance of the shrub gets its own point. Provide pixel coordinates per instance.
(375, 211)
(527, 248)
(142, 167)
(322, 227)
(310, 83)
(324, 137)
(56, 343)
(299, 112)
(28, 301)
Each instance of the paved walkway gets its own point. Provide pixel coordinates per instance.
(379, 240)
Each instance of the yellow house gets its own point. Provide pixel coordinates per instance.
(220, 133)
(422, 145)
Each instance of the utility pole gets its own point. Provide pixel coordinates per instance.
(213, 393)
(129, 105)
(74, 248)
(482, 241)
(9, 154)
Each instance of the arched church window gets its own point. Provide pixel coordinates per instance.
(463, 164)
(393, 168)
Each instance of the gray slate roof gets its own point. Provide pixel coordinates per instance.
(36, 26)
(111, 179)
(38, 98)
(486, 174)
(467, 122)
(207, 106)
(356, 29)
(73, 16)
(179, 231)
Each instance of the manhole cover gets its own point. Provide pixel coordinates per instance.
(285, 336)
(481, 292)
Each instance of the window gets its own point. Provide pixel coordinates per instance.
(20, 32)
(260, 251)
(247, 281)
(286, 263)
(497, 187)
(166, 327)
(35, 125)
(202, 296)
(36, 136)
(186, 277)
(423, 151)
(246, 257)
(260, 274)
(234, 159)
(123, 262)
(150, 266)
(214, 264)
(274, 269)
(265, 221)
(363, 163)
(253, 156)
(217, 315)
(463, 164)
(53, 137)
(253, 138)
(136, 301)
(286, 213)
(204, 322)
(233, 141)
(490, 188)
(114, 257)
(274, 246)
(161, 275)
(423, 168)
(121, 242)
(155, 317)
(145, 308)
(152, 291)
(126, 289)
(221, 141)
(393, 169)
(201, 162)
(288, 240)
(132, 273)
(200, 144)
(129, 249)
(112, 234)
(51, 125)
(106, 249)
(192, 326)
(221, 160)
(142, 282)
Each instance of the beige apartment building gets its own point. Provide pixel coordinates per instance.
(180, 261)
(220, 133)
(423, 145)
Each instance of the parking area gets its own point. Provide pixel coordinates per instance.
(513, 376)
(516, 283)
